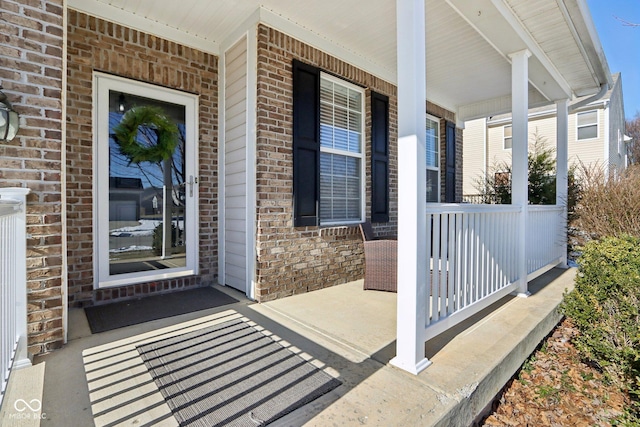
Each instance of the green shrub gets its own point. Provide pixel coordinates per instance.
(157, 238)
(495, 186)
(605, 306)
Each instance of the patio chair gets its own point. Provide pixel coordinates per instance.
(380, 261)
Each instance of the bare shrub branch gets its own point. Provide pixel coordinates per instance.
(609, 206)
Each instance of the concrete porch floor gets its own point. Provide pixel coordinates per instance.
(99, 379)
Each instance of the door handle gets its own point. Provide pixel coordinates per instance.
(192, 181)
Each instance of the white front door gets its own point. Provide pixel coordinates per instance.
(145, 164)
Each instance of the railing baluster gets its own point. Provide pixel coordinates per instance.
(13, 302)
(459, 244)
(451, 267)
(429, 280)
(464, 261)
(435, 266)
(444, 258)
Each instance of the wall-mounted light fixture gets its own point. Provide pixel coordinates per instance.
(121, 103)
(9, 119)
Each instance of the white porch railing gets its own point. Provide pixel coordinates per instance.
(474, 256)
(13, 283)
(546, 237)
(473, 261)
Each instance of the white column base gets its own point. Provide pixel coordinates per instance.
(22, 359)
(412, 368)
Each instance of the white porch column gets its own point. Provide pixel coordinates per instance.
(562, 167)
(519, 151)
(412, 238)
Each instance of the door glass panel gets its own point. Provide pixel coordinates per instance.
(147, 211)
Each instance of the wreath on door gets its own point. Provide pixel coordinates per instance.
(154, 120)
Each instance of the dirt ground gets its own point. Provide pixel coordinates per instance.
(554, 388)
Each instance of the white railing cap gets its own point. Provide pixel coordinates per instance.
(467, 208)
(12, 192)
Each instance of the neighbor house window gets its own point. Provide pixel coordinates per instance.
(588, 125)
(507, 137)
(433, 159)
(341, 151)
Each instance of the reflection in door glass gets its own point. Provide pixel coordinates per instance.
(146, 184)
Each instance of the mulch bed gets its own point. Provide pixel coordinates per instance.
(555, 388)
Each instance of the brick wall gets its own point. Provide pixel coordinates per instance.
(31, 70)
(299, 259)
(95, 44)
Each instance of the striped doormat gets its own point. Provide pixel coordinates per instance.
(231, 374)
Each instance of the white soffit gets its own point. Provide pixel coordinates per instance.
(502, 29)
(364, 37)
(462, 68)
(468, 41)
(564, 30)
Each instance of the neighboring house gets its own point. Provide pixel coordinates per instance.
(299, 123)
(596, 137)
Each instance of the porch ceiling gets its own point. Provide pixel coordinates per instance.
(468, 41)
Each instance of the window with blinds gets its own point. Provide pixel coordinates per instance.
(341, 151)
(433, 159)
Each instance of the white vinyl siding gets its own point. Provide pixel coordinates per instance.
(433, 159)
(235, 166)
(473, 153)
(341, 151)
(587, 123)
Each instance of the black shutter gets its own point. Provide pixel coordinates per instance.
(306, 144)
(379, 158)
(450, 163)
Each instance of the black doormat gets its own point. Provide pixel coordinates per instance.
(231, 374)
(126, 313)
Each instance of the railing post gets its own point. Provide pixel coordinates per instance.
(20, 194)
(520, 151)
(412, 294)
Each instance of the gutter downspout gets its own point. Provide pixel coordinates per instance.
(603, 90)
(485, 149)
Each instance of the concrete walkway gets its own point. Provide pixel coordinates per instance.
(99, 379)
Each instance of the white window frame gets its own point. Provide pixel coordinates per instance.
(360, 156)
(102, 85)
(596, 124)
(619, 142)
(437, 120)
(504, 137)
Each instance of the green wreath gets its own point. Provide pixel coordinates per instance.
(154, 119)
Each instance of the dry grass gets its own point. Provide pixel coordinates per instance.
(608, 207)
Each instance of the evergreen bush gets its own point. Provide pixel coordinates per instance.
(605, 306)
